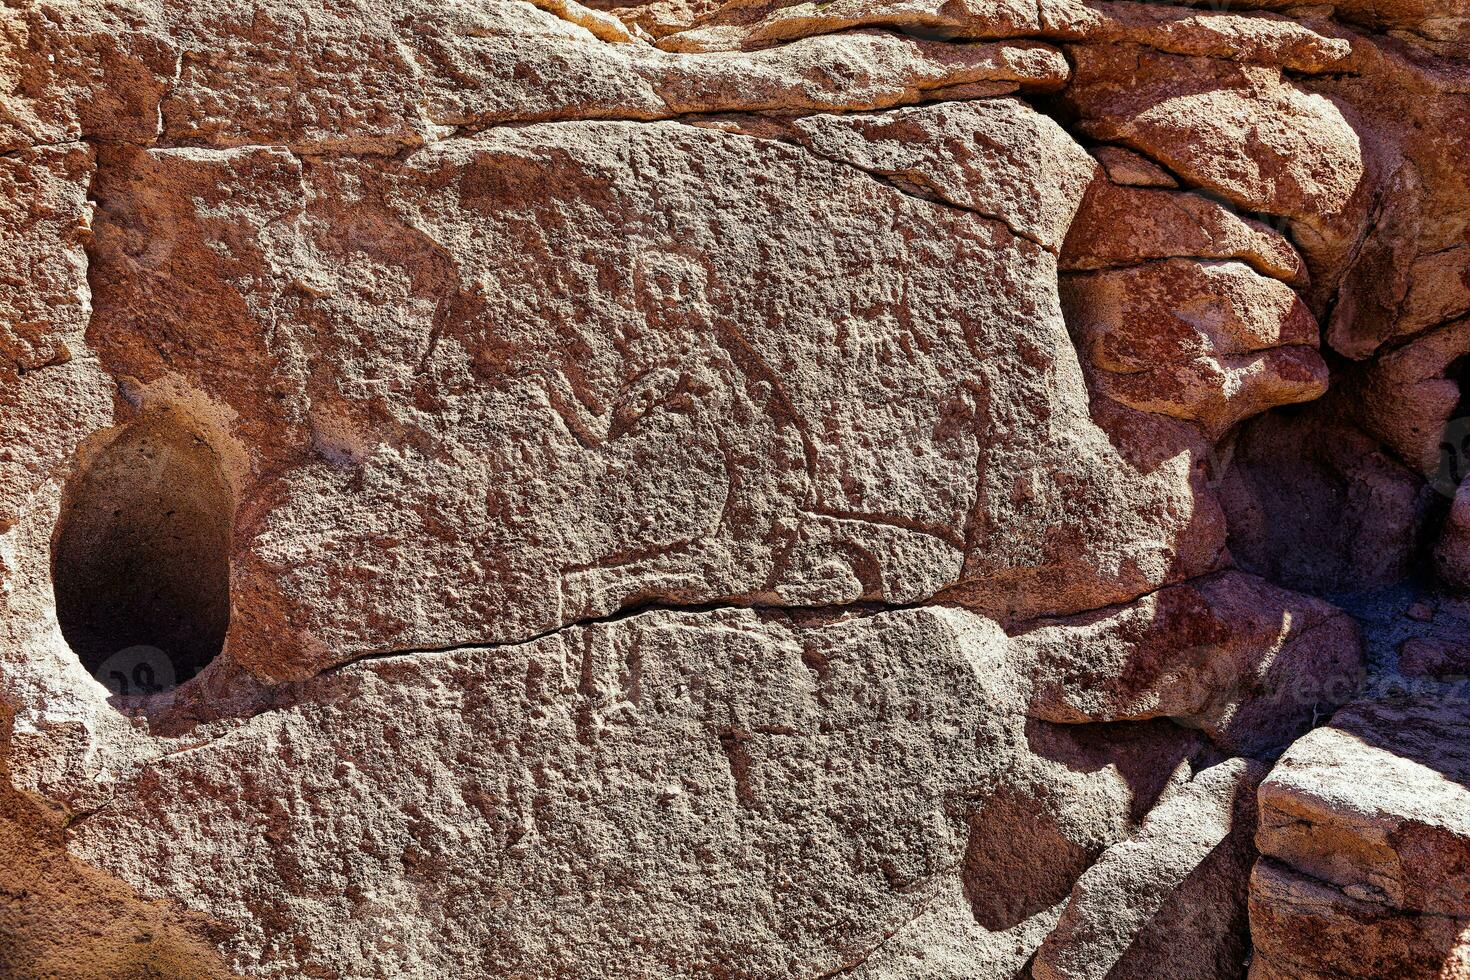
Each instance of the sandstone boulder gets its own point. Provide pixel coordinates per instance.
(1409, 274)
(1125, 168)
(1212, 342)
(1438, 657)
(1240, 131)
(1440, 25)
(1250, 664)
(1365, 837)
(1183, 874)
(1269, 39)
(1307, 930)
(997, 157)
(1120, 226)
(1409, 398)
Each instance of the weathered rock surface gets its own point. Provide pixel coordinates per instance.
(1409, 398)
(1120, 226)
(1316, 504)
(997, 157)
(1183, 874)
(435, 68)
(1241, 131)
(511, 358)
(47, 371)
(1306, 930)
(1410, 272)
(1435, 657)
(98, 70)
(742, 490)
(726, 785)
(1250, 664)
(1125, 168)
(1365, 837)
(61, 917)
(1388, 771)
(1212, 342)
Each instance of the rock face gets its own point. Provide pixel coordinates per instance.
(1181, 875)
(1314, 503)
(1365, 844)
(1249, 664)
(653, 749)
(743, 490)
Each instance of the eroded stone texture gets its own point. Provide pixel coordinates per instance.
(1212, 342)
(1241, 131)
(48, 375)
(1364, 839)
(577, 394)
(591, 410)
(1125, 168)
(996, 157)
(1410, 272)
(61, 917)
(750, 769)
(1410, 396)
(74, 70)
(431, 68)
(1250, 664)
(1182, 875)
(1209, 33)
(1307, 930)
(1388, 771)
(1120, 225)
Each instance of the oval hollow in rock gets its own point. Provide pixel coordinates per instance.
(140, 557)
